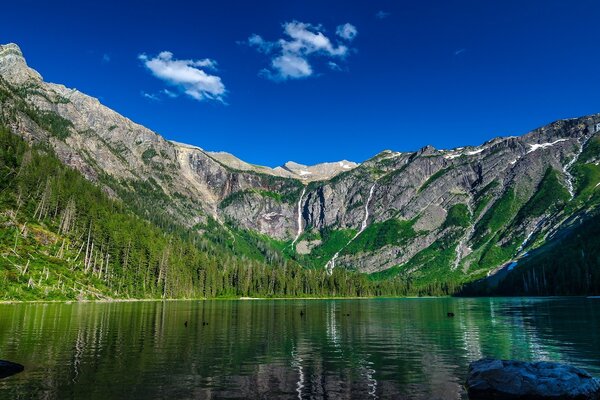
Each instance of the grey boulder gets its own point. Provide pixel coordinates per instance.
(505, 379)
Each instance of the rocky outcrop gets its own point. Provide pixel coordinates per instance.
(305, 173)
(512, 380)
(8, 368)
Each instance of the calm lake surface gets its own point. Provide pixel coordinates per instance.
(336, 349)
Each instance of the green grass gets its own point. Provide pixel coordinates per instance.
(497, 216)
(332, 242)
(278, 197)
(550, 194)
(587, 177)
(458, 215)
(591, 151)
(430, 269)
(380, 234)
(494, 255)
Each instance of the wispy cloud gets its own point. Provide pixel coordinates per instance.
(459, 51)
(291, 55)
(346, 31)
(168, 93)
(149, 96)
(334, 66)
(381, 14)
(105, 58)
(188, 76)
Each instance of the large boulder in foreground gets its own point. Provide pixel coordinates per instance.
(508, 380)
(8, 368)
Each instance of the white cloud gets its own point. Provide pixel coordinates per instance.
(291, 66)
(333, 66)
(189, 76)
(261, 44)
(105, 58)
(346, 31)
(290, 55)
(167, 92)
(382, 14)
(150, 96)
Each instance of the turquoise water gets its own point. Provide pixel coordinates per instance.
(284, 349)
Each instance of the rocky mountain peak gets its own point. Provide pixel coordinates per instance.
(427, 150)
(13, 66)
(320, 171)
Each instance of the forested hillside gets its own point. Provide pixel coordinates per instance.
(62, 237)
(569, 265)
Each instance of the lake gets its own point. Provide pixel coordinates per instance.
(284, 349)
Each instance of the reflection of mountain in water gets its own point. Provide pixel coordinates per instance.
(232, 349)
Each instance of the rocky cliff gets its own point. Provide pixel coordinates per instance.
(431, 215)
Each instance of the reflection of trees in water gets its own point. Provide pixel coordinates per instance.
(335, 349)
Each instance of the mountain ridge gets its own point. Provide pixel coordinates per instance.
(430, 215)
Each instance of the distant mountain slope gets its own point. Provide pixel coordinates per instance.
(433, 217)
(569, 264)
(62, 237)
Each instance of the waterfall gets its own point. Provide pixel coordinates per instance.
(364, 223)
(526, 241)
(331, 263)
(299, 218)
(459, 247)
(536, 229)
(568, 176)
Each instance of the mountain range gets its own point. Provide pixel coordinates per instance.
(472, 215)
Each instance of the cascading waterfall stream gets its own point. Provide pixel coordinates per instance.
(331, 263)
(569, 177)
(299, 218)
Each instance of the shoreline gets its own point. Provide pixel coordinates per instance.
(6, 302)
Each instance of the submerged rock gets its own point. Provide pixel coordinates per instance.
(505, 379)
(8, 368)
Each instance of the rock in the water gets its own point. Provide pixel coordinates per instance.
(8, 368)
(508, 380)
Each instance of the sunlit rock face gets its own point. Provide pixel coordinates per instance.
(475, 208)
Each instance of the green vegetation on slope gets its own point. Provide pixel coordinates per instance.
(433, 178)
(380, 234)
(430, 271)
(550, 195)
(569, 265)
(62, 237)
(458, 215)
(332, 241)
(497, 216)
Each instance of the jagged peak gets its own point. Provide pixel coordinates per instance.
(13, 66)
(10, 48)
(427, 150)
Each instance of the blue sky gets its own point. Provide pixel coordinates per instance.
(313, 81)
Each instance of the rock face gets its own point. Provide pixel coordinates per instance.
(511, 380)
(305, 173)
(460, 213)
(8, 368)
